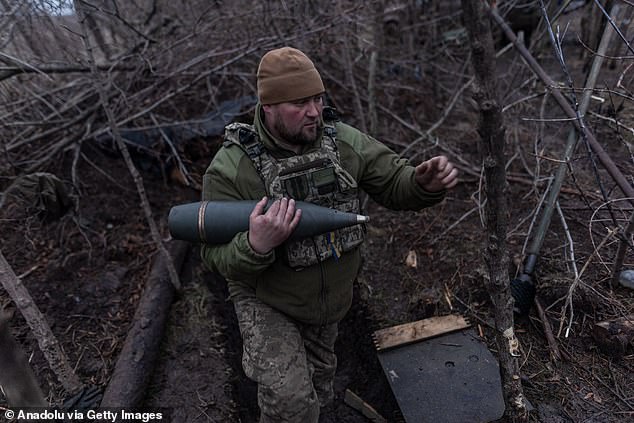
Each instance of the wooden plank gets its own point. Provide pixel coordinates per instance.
(354, 401)
(417, 331)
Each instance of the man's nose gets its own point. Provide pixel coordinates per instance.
(313, 108)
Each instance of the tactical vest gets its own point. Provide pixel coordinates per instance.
(316, 177)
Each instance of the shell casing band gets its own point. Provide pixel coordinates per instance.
(201, 221)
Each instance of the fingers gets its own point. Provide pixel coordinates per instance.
(290, 212)
(259, 207)
(451, 180)
(437, 174)
(281, 212)
(440, 163)
(278, 211)
(442, 167)
(435, 166)
(274, 210)
(270, 228)
(296, 218)
(423, 168)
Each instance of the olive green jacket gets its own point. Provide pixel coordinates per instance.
(319, 294)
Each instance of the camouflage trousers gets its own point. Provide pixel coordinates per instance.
(293, 364)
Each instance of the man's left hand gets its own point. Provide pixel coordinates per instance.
(436, 174)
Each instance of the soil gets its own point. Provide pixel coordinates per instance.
(87, 270)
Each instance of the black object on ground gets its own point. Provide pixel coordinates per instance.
(451, 378)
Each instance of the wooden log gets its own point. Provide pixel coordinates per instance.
(417, 331)
(615, 336)
(136, 361)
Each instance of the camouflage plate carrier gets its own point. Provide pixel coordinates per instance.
(316, 177)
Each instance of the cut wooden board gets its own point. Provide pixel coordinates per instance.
(416, 331)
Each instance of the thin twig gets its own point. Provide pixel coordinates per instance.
(568, 304)
(614, 172)
(614, 121)
(548, 331)
(620, 253)
(168, 141)
(613, 24)
(571, 244)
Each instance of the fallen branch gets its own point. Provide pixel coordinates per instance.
(128, 384)
(46, 340)
(9, 71)
(555, 354)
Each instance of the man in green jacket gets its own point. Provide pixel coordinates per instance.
(290, 295)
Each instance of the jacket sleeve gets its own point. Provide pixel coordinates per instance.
(386, 177)
(235, 260)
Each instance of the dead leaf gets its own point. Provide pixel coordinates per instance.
(411, 260)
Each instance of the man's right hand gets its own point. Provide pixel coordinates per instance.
(270, 229)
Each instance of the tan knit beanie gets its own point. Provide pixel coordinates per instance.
(287, 74)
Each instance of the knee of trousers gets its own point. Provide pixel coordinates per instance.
(292, 397)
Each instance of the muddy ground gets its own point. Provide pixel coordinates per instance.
(87, 270)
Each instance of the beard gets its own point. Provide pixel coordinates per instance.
(302, 136)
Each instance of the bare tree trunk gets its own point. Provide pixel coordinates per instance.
(492, 133)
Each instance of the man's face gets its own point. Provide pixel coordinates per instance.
(297, 122)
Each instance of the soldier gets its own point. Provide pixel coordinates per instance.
(289, 296)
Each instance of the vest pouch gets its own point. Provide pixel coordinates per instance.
(308, 180)
(350, 237)
(316, 177)
(310, 251)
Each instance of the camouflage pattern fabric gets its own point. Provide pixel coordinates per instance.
(316, 177)
(292, 363)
